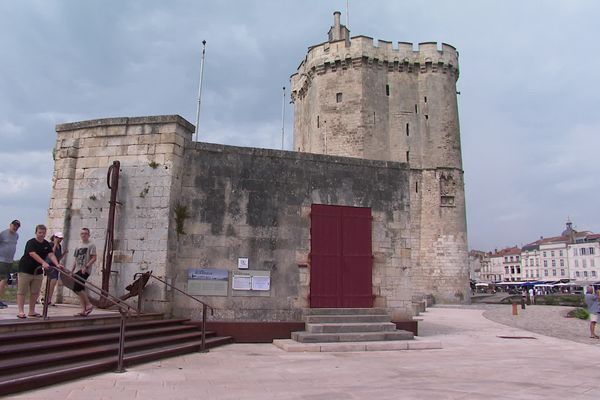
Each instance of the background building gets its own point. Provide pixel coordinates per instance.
(571, 256)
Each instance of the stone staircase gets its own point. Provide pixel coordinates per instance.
(40, 353)
(324, 325)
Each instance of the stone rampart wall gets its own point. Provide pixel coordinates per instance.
(150, 150)
(255, 203)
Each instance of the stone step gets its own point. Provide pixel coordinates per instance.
(345, 311)
(351, 327)
(290, 345)
(307, 337)
(346, 318)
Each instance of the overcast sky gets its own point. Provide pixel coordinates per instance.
(528, 104)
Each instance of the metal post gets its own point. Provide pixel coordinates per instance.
(347, 15)
(283, 118)
(112, 181)
(203, 345)
(325, 129)
(140, 298)
(46, 299)
(200, 86)
(121, 353)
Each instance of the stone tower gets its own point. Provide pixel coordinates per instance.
(354, 98)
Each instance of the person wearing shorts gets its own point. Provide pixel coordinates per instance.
(8, 246)
(591, 299)
(85, 257)
(31, 267)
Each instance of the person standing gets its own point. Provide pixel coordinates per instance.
(591, 299)
(85, 257)
(8, 246)
(532, 295)
(31, 267)
(52, 274)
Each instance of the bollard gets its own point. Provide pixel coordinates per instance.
(514, 309)
(522, 304)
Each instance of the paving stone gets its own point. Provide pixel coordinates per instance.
(473, 364)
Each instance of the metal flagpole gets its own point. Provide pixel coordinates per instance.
(200, 86)
(283, 118)
(347, 15)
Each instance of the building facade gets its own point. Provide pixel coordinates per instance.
(571, 256)
(584, 259)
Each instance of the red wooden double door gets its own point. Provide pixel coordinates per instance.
(341, 257)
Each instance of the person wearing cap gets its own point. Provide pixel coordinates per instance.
(8, 246)
(31, 267)
(52, 273)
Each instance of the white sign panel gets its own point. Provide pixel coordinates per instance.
(243, 263)
(261, 282)
(241, 282)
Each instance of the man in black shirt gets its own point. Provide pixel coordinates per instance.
(31, 268)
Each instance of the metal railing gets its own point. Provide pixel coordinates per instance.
(124, 308)
(204, 305)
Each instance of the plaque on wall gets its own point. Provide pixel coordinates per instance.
(251, 283)
(208, 281)
(241, 282)
(261, 282)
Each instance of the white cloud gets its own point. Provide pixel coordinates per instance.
(17, 184)
(26, 163)
(8, 129)
(57, 117)
(528, 113)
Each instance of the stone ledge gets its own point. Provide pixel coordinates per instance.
(154, 119)
(291, 346)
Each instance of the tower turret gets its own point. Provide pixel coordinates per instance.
(384, 102)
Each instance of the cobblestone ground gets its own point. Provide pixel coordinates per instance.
(545, 320)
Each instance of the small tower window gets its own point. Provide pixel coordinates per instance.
(318, 122)
(407, 129)
(387, 90)
(416, 187)
(373, 117)
(426, 116)
(425, 99)
(416, 109)
(407, 154)
(338, 97)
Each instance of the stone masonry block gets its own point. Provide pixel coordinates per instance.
(122, 140)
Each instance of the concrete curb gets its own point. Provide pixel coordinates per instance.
(291, 346)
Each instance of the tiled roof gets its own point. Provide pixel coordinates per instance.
(510, 251)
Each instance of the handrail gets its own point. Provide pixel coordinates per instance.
(204, 305)
(124, 308)
(173, 287)
(87, 284)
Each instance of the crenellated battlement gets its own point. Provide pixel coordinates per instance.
(361, 50)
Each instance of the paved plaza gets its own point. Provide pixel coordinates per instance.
(480, 359)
